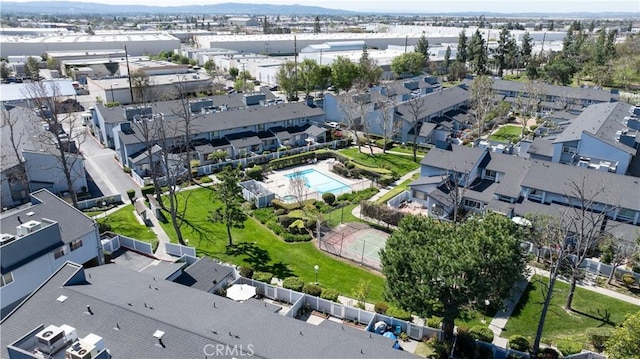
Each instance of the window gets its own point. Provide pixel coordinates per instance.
(626, 213)
(75, 244)
(261, 127)
(59, 252)
(570, 150)
(472, 204)
(489, 174)
(215, 134)
(6, 279)
(289, 123)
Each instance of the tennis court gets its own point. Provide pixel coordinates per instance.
(356, 241)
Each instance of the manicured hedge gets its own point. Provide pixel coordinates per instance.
(293, 160)
(568, 346)
(264, 277)
(293, 283)
(519, 343)
(481, 333)
(291, 206)
(398, 313)
(312, 289)
(330, 294)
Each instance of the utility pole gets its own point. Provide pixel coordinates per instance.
(295, 70)
(406, 43)
(126, 56)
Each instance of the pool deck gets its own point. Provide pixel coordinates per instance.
(278, 182)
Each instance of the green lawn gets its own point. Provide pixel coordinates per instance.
(124, 221)
(398, 163)
(341, 215)
(408, 151)
(397, 189)
(506, 133)
(259, 248)
(591, 310)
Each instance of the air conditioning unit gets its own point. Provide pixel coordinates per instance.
(51, 339)
(28, 227)
(6, 238)
(86, 348)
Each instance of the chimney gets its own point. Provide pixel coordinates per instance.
(19, 220)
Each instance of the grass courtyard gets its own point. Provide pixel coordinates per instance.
(590, 310)
(399, 164)
(258, 247)
(506, 133)
(124, 221)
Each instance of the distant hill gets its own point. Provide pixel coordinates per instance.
(75, 7)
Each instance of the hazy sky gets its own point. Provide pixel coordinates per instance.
(426, 6)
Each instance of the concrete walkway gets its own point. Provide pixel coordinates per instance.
(499, 322)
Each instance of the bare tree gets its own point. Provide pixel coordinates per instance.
(351, 108)
(298, 188)
(553, 231)
(456, 191)
(528, 105)
(416, 107)
(172, 162)
(188, 119)
(386, 121)
(146, 131)
(47, 99)
(482, 99)
(16, 175)
(585, 223)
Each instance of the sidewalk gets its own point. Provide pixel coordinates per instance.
(499, 321)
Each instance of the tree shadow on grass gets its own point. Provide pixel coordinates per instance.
(259, 259)
(199, 230)
(604, 318)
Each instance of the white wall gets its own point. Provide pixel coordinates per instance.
(593, 147)
(45, 167)
(29, 276)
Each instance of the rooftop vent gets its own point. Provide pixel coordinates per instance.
(6, 238)
(51, 339)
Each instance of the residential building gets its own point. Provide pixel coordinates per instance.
(206, 275)
(571, 99)
(481, 180)
(603, 137)
(239, 124)
(37, 239)
(132, 315)
(35, 162)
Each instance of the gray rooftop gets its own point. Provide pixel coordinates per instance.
(588, 93)
(601, 121)
(204, 274)
(229, 120)
(514, 169)
(541, 147)
(435, 103)
(615, 190)
(460, 158)
(188, 317)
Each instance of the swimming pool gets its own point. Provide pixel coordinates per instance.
(320, 182)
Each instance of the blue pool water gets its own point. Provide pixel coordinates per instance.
(320, 182)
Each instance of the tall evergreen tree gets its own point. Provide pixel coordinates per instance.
(316, 25)
(422, 47)
(478, 54)
(461, 54)
(447, 55)
(502, 51)
(229, 195)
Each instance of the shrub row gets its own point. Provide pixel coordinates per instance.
(330, 294)
(265, 277)
(382, 213)
(312, 289)
(358, 196)
(343, 171)
(481, 333)
(291, 206)
(254, 172)
(398, 313)
(568, 346)
(519, 343)
(293, 160)
(293, 283)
